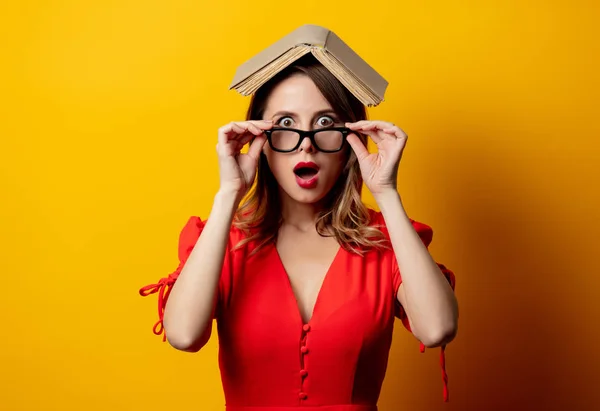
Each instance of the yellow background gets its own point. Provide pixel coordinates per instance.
(107, 132)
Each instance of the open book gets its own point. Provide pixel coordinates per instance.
(347, 66)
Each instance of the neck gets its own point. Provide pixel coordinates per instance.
(299, 215)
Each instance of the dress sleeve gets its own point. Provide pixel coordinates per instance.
(187, 240)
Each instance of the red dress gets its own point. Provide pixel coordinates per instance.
(270, 360)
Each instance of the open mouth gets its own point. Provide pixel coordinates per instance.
(306, 171)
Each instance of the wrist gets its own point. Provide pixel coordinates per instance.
(390, 205)
(386, 197)
(227, 199)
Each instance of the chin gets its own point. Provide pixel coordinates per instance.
(305, 196)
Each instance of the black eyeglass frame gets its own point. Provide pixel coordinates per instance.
(302, 134)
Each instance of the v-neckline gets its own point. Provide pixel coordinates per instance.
(292, 294)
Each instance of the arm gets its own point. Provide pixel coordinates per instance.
(425, 294)
(191, 305)
(190, 308)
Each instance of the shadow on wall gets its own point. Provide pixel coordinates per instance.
(515, 347)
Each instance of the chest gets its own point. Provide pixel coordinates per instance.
(307, 262)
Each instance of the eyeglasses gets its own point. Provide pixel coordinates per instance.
(327, 140)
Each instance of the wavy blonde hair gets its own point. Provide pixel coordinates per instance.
(344, 215)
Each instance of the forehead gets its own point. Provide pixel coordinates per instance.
(296, 94)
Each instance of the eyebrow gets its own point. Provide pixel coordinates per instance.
(317, 114)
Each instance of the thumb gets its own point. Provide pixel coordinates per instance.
(256, 146)
(359, 148)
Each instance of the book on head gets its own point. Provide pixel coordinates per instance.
(343, 62)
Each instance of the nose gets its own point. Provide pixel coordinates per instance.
(307, 145)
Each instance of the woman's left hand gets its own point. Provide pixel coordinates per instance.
(379, 170)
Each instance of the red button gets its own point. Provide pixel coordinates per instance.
(303, 373)
(306, 327)
(302, 395)
(304, 350)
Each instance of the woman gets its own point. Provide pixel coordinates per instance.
(303, 280)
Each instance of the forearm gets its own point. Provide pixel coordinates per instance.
(190, 307)
(428, 298)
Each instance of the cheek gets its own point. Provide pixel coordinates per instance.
(278, 163)
(337, 164)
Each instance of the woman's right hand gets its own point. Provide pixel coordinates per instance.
(237, 170)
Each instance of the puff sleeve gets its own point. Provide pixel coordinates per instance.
(187, 240)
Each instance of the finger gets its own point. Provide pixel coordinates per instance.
(385, 132)
(238, 129)
(224, 133)
(364, 124)
(245, 140)
(367, 127)
(229, 132)
(254, 127)
(242, 130)
(390, 130)
(395, 131)
(383, 124)
(234, 149)
(358, 147)
(260, 129)
(231, 138)
(263, 124)
(364, 127)
(256, 146)
(358, 124)
(372, 131)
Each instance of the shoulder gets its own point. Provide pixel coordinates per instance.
(193, 227)
(378, 221)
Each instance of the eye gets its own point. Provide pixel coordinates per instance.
(325, 121)
(286, 122)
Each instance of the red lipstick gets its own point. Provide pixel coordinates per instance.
(307, 174)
